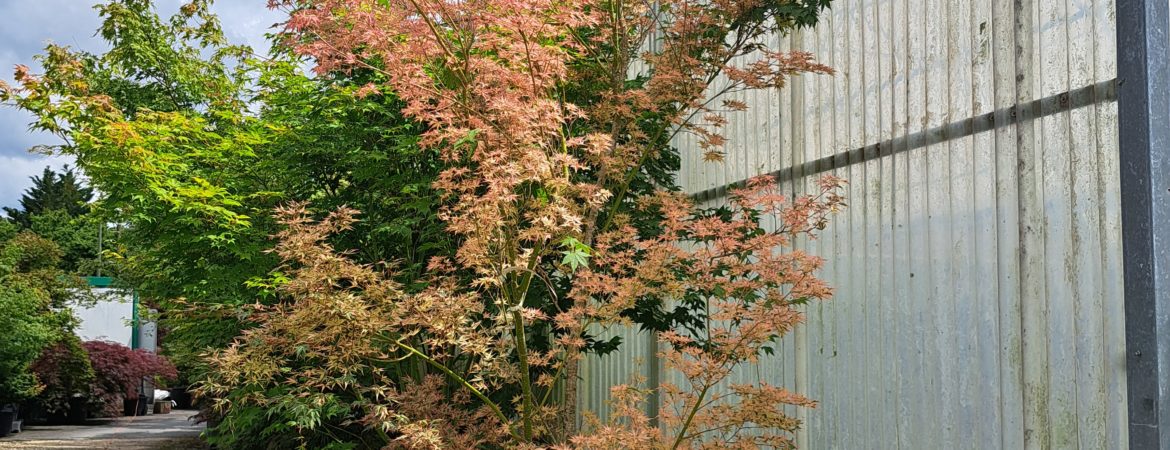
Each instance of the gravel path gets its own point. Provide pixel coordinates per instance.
(153, 432)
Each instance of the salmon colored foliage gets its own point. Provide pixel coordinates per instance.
(750, 289)
(533, 174)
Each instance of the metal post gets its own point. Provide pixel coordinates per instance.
(1144, 129)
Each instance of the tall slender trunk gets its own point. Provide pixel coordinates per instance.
(569, 405)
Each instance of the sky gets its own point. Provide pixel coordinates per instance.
(30, 24)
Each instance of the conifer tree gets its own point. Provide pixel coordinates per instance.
(51, 191)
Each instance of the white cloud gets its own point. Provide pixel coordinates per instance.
(16, 170)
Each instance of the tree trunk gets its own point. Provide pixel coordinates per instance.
(569, 405)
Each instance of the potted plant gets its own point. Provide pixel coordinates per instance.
(119, 372)
(33, 313)
(66, 375)
(7, 416)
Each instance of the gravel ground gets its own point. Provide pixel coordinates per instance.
(153, 432)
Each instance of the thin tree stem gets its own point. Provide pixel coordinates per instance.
(525, 375)
(476, 392)
(682, 432)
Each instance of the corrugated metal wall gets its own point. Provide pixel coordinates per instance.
(978, 267)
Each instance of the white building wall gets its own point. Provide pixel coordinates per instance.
(108, 319)
(978, 268)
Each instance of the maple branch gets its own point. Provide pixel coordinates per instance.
(458, 379)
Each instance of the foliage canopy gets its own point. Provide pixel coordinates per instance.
(513, 163)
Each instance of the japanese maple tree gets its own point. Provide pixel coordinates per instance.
(119, 372)
(553, 121)
(531, 106)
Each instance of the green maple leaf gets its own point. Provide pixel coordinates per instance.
(576, 253)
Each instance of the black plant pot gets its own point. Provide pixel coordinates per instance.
(7, 415)
(181, 397)
(76, 414)
(135, 406)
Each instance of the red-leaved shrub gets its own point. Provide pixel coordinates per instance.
(119, 372)
(64, 371)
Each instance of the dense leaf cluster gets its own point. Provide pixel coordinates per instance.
(119, 372)
(65, 372)
(34, 293)
(192, 142)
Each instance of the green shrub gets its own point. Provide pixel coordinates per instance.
(26, 333)
(30, 285)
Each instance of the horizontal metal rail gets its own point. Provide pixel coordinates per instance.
(1102, 92)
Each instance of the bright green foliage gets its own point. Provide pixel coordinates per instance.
(158, 65)
(57, 208)
(26, 334)
(7, 230)
(77, 237)
(576, 253)
(30, 262)
(33, 296)
(166, 136)
(339, 149)
(52, 191)
(192, 143)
